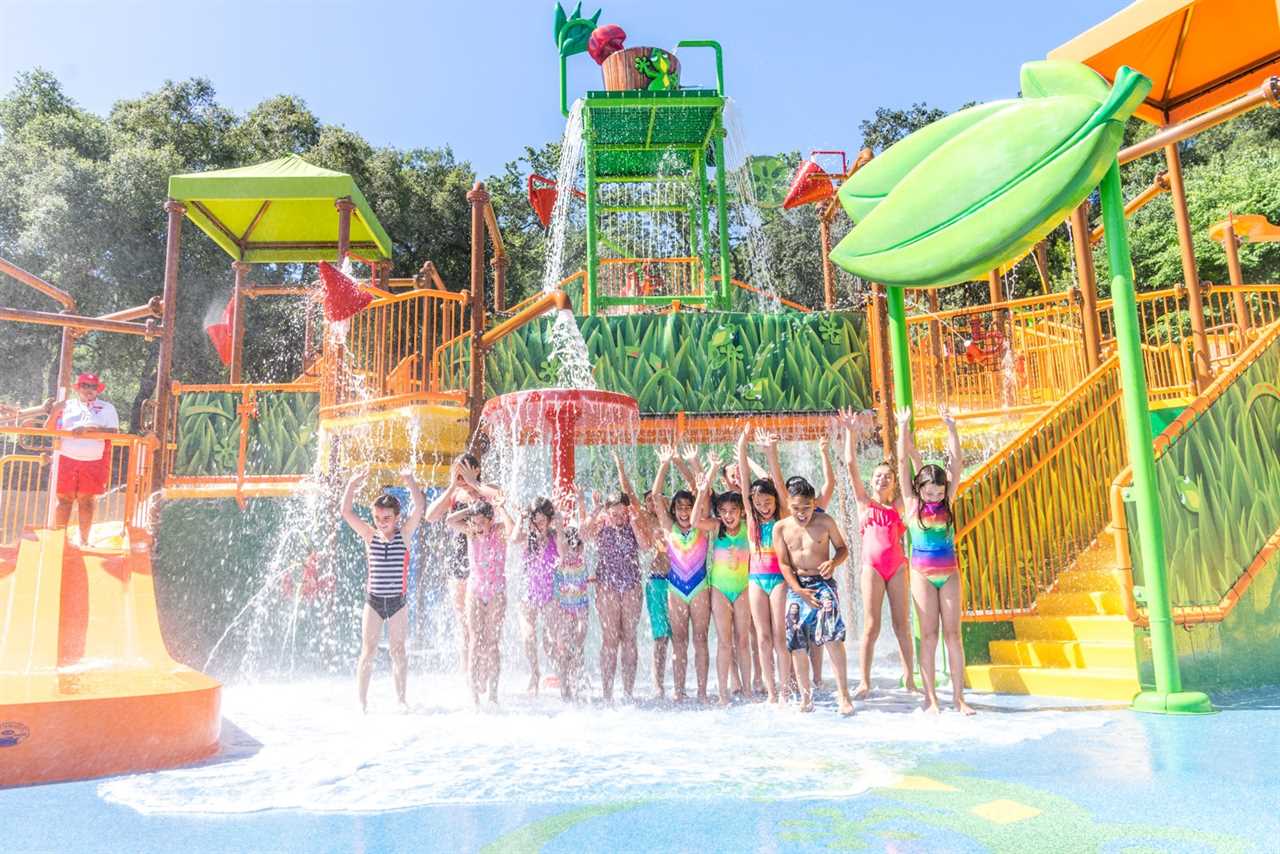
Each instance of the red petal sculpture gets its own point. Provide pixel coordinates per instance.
(605, 41)
(810, 184)
(220, 333)
(542, 198)
(342, 298)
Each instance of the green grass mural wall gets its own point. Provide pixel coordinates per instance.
(704, 362)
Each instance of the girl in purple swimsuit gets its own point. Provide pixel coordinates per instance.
(619, 590)
(540, 556)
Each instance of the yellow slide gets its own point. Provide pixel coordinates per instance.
(87, 687)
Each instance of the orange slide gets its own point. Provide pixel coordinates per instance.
(87, 687)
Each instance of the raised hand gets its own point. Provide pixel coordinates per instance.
(666, 453)
(824, 443)
(948, 419)
(903, 416)
(742, 438)
(766, 440)
(704, 482)
(688, 452)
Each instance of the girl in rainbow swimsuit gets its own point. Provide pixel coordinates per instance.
(688, 596)
(884, 563)
(728, 567)
(935, 578)
(766, 593)
(572, 601)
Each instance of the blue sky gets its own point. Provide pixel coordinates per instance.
(482, 76)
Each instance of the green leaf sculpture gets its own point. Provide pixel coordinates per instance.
(968, 193)
(573, 32)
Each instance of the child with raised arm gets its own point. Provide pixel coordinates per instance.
(386, 544)
(619, 590)
(935, 577)
(464, 487)
(656, 569)
(766, 592)
(728, 564)
(572, 598)
(688, 596)
(540, 553)
(884, 563)
(804, 542)
(488, 528)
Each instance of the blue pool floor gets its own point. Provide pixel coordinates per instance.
(1025, 775)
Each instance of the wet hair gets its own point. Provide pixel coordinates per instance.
(573, 537)
(616, 498)
(482, 508)
(681, 495)
(727, 498)
(544, 507)
(470, 460)
(936, 475)
(764, 486)
(386, 501)
(799, 487)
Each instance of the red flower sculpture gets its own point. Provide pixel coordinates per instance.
(605, 41)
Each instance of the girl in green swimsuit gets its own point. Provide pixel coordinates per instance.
(729, 561)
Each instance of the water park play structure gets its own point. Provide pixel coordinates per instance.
(1084, 540)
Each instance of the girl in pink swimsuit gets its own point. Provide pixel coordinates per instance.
(884, 563)
(488, 529)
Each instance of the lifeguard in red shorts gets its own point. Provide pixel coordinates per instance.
(84, 465)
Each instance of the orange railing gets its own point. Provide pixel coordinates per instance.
(1028, 511)
(27, 479)
(254, 449)
(390, 349)
(1183, 613)
(1013, 355)
(623, 278)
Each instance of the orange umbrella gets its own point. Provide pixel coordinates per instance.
(1199, 53)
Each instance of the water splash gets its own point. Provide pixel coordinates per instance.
(749, 237)
(567, 175)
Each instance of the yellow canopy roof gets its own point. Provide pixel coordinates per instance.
(1199, 53)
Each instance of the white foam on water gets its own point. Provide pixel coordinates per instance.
(305, 746)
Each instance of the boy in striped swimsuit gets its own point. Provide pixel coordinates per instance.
(386, 544)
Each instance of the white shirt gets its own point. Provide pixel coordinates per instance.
(97, 415)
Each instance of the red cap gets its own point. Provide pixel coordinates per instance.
(85, 379)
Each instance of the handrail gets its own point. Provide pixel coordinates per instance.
(715, 46)
(557, 300)
(1188, 614)
(741, 285)
(50, 290)
(129, 477)
(1026, 512)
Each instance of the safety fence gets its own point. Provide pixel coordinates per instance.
(29, 464)
(1027, 513)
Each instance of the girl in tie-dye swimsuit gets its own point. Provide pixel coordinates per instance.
(572, 600)
(884, 563)
(729, 566)
(935, 579)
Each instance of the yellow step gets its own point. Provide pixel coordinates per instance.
(1089, 580)
(1097, 683)
(1092, 628)
(1077, 654)
(1080, 604)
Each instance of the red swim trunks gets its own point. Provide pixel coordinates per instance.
(83, 477)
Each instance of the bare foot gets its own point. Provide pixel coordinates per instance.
(861, 692)
(403, 708)
(703, 698)
(911, 687)
(932, 707)
(806, 702)
(660, 694)
(846, 706)
(724, 699)
(681, 696)
(773, 697)
(964, 708)
(758, 687)
(818, 686)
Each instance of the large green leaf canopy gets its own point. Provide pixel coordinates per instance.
(279, 211)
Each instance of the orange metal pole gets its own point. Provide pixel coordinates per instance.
(479, 198)
(345, 206)
(164, 364)
(241, 269)
(1230, 244)
(499, 282)
(1195, 305)
(1159, 185)
(32, 280)
(1088, 281)
(1267, 93)
(79, 322)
